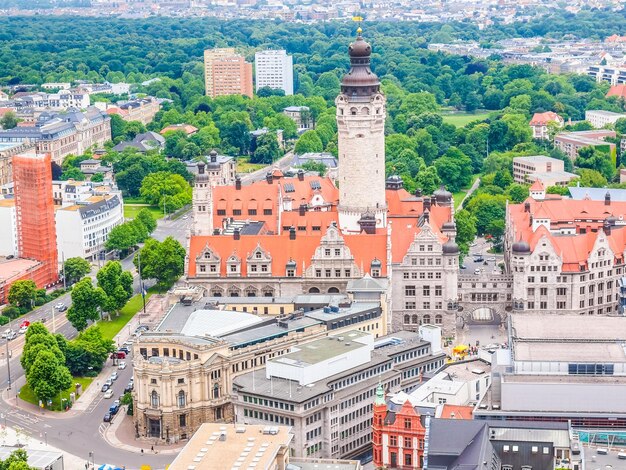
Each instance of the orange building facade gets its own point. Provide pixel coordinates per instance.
(397, 436)
(227, 73)
(34, 211)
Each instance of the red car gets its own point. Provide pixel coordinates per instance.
(25, 323)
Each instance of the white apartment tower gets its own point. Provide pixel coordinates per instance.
(361, 141)
(202, 203)
(274, 69)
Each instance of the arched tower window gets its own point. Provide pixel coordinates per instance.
(154, 399)
(181, 399)
(216, 390)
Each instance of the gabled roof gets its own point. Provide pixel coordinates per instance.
(541, 119)
(537, 186)
(617, 90)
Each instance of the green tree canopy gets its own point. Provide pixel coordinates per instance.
(163, 261)
(309, 142)
(86, 301)
(22, 293)
(75, 269)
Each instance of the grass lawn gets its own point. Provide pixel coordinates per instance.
(461, 119)
(130, 211)
(244, 165)
(28, 395)
(111, 328)
(134, 200)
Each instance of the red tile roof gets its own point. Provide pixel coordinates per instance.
(457, 412)
(585, 215)
(617, 90)
(282, 250)
(542, 119)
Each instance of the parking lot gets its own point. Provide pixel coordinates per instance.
(479, 249)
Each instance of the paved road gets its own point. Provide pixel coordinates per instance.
(82, 433)
(283, 163)
(480, 247)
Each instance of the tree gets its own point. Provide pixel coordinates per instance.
(590, 178)
(312, 165)
(267, 149)
(309, 142)
(503, 179)
(620, 126)
(465, 229)
(517, 193)
(594, 159)
(97, 178)
(9, 120)
(165, 186)
(48, 376)
(87, 353)
(116, 284)
(122, 237)
(147, 219)
(427, 179)
(72, 174)
(163, 261)
(75, 269)
(22, 293)
(486, 208)
(16, 461)
(454, 169)
(40, 340)
(86, 300)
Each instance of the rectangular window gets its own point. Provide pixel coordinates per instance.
(267, 211)
(426, 290)
(409, 290)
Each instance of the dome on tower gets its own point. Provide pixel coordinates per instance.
(213, 163)
(360, 48)
(521, 247)
(360, 80)
(450, 248)
(202, 176)
(449, 225)
(442, 195)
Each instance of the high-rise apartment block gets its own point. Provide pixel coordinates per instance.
(226, 73)
(34, 210)
(274, 69)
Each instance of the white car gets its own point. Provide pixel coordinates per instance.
(22, 330)
(108, 394)
(121, 365)
(7, 333)
(113, 377)
(476, 271)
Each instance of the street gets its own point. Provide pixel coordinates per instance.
(490, 261)
(78, 432)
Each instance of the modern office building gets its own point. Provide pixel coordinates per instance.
(572, 142)
(569, 369)
(274, 69)
(226, 73)
(600, 118)
(325, 388)
(549, 171)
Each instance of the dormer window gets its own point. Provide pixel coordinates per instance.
(258, 255)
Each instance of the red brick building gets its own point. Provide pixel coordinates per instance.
(397, 436)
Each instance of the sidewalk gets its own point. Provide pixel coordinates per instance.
(121, 434)
(13, 436)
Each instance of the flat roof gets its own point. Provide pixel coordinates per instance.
(323, 464)
(354, 308)
(323, 349)
(553, 175)
(467, 370)
(15, 267)
(602, 112)
(250, 449)
(9, 145)
(581, 352)
(271, 329)
(535, 159)
(572, 328)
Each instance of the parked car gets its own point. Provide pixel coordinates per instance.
(124, 350)
(22, 330)
(142, 328)
(105, 387)
(476, 271)
(114, 409)
(108, 394)
(113, 376)
(121, 365)
(463, 266)
(107, 418)
(7, 332)
(61, 307)
(109, 382)
(128, 388)
(11, 335)
(25, 323)
(491, 259)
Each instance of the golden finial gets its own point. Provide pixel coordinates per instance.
(358, 19)
(359, 30)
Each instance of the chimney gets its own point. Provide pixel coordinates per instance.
(607, 199)
(269, 177)
(426, 216)
(418, 192)
(527, 207)
(302, 210)
(237, 183)
(292, 233)
(607, 227)
(426, 204)
(236, 234)
(300, 175)
(433, 201)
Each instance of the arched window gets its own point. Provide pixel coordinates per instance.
(426, 319)
(414, 319)
(407, 319)
(438, 319)
(216, 390)
(314, 290)
(154, 399)
(333, 290)
(353, 111)
(181, 399)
